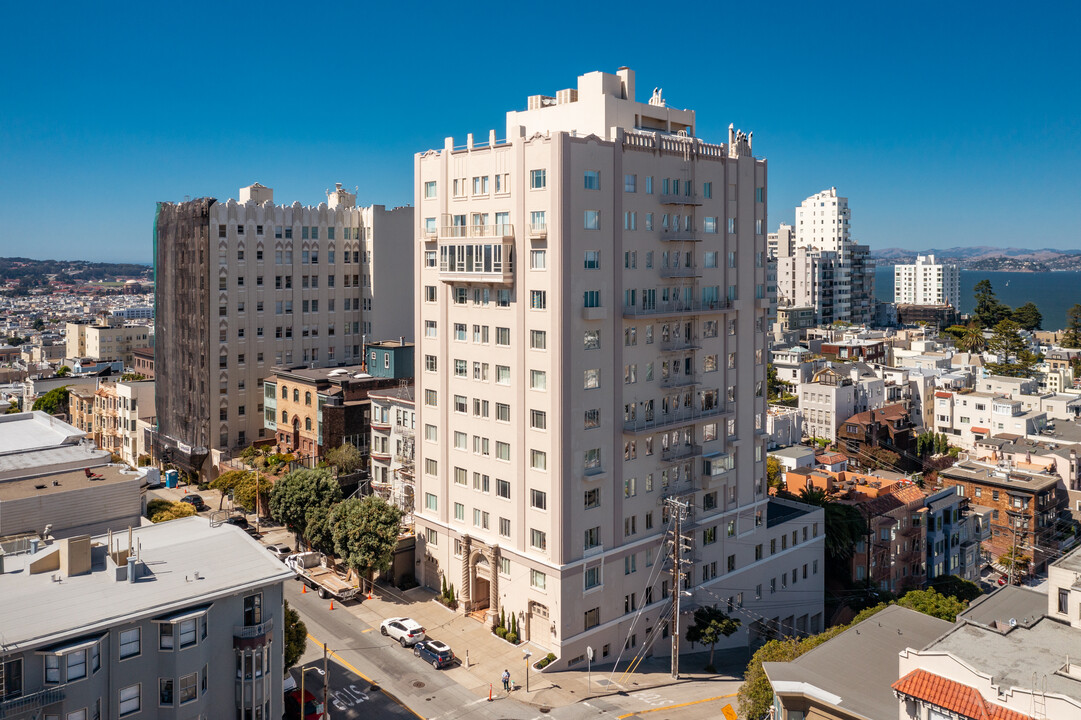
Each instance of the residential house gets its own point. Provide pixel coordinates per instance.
(887, 427)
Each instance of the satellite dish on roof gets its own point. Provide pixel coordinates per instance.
(1013, 622)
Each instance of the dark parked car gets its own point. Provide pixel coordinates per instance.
(195, 501)
(434, 652)
(313, 708)
(239, 520)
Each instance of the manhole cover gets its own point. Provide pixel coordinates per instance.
(418, 684)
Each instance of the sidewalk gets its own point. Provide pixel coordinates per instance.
(488, 655)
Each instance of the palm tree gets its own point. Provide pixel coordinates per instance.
(973, 340)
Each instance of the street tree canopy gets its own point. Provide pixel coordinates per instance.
(346, 458)
(297, 493)
(296, 636)
(365, 532)
(929, 602)
(1028, 316)
(53, 402)
(989, 311)
(1014, 359)
(709, 626)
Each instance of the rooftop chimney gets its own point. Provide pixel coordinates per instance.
(626, 77)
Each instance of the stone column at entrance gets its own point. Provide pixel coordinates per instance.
(463, 591)
(492, 554)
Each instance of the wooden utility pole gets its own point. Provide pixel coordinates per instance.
(326, 684)
(678, 510)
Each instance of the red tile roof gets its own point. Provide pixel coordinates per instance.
(981, 429)
(953, 696)
(943, 394)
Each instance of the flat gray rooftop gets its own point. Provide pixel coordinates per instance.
(1007, 603)
(36, 463)
(1071, 561)
(860, 664)
(58, 483)
(38, 611)
(23, 432)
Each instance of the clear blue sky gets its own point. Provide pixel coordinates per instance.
(945, 123)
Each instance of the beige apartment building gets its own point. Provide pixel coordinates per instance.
(108, 339)
(591, 341)
(246, 285)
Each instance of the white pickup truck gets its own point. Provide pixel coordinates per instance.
(311, 568)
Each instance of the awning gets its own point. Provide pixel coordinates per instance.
(72, 645)
(183, 614)
(983, 430)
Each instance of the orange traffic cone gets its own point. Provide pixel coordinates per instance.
(331, 604)
(303, 589)
(369, 593)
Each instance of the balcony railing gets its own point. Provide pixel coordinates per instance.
(477, 262)
(661, 421)
(678, 345)
(252, 632)
(680, 199)
(681, 380)
(672, 309)
(497, 230)
(680, 272)
(678, 235)
(538, 231)
(31, 702)
(681, 451)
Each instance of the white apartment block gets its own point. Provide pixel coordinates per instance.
(246, 285)
(393, 457)
(591, 339)
(927, 282)
(822, 221)
(836, 394)
(108, 340)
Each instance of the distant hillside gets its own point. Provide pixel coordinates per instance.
(39, 273)
(982, 257)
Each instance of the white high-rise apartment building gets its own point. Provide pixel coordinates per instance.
(591, 340)
(823, 226)
(244, 286)
(927, 282)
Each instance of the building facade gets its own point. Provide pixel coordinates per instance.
(591, 340)
(109, 340)
(244, 286)
(173, 631)
(393, 456)
(926, 282)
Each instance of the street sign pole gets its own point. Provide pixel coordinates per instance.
(589, 670)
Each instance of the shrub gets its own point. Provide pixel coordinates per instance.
(501, 631)
(550, 657)
(512, 638)
(542, 663)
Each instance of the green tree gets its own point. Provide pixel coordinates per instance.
(296, 636)
(1015, 559)
(15, 407)
(989, 311)
(813, 496)
(346, 458)
(365, 532)
(973, 340)
(243, 484)
(954, 586)
(773, 471)
(296, 493)
(1028, 316)
(319, 529)
(39, 323)
(709, 626)
(53, 402)
(930, 602)
(957, 331)
(63, 371)
(1013, 358)
(1072, 337)
(164, 510)
(879, 457)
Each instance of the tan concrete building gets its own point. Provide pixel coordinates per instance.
(244, 286)
(591, 340)
(109, 339)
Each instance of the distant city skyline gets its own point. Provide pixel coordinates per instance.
(937, 137)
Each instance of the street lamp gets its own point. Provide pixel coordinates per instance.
(326, 680)
(527, 655)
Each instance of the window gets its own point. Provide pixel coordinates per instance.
(592, 577)
(502, 374)
(592, 618)
(538, 499)
(460, 404)
(538, 460)
(538, 339)
(592, 378)
(538, 419)
(538, 299)
(502, 488)
(592, 260)
(130, 644)
(592, 538)
(593, 418)
(431, 397)
(429, 189)
(502, 336)
(187, 632)
(592, 220)
(165, 636)
(431, 501)
(129, 700)
(537, 579)
(592, 339)
(538, 259)
(592, 180)
(459, 512)
(76, 665)
(537, 539)
(502, 412)
(630, 183)
(189, 687)
(165, 691)
(537, 179)
(1063, 600)
(592, 498)
(502, 451)
(591, 298)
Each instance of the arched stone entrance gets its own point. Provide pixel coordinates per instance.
(480, 579)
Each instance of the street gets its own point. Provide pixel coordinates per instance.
(407, 687)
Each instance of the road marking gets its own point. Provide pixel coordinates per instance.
(366, 631)
(673, 707)
(367, 679)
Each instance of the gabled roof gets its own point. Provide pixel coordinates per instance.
(953, 696)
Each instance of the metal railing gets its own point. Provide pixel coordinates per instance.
(679, 272)
(250, 632)
(500, 230)
(670, 419)
(33, 701)
(677, 308)
(681, 380)
(681, 451)
(676, 345)
(679, 235)
(680, 199)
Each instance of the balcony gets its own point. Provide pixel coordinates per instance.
(680, 452)
(643, 426)
(32, 702)
(678, 235)
(681, 380)
(680, 272)
(477, 262)
(680, 199)
(249, 636)
(678, 309)
(594, 313)
(504, 231)
(538, 231)
(678, 345)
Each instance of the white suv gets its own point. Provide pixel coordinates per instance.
(406, 631)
